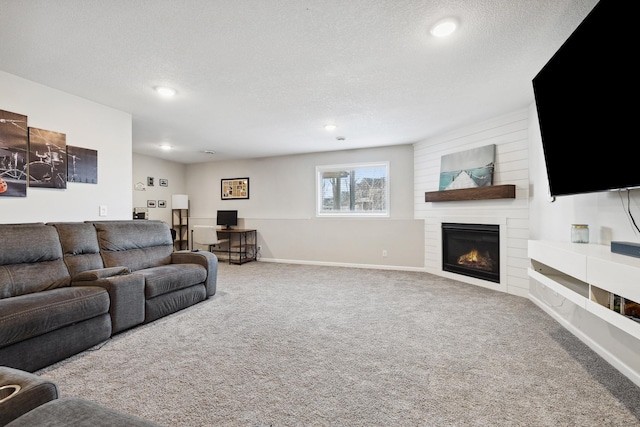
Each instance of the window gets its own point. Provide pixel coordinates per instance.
(353, 190)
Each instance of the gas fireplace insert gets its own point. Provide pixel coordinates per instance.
(472, 250)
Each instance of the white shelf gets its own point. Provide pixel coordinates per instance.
(576, 293)
(616, 319)
(616, 273)
(583, 273)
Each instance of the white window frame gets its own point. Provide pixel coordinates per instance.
(347, 214)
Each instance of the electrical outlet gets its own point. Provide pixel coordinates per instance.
(384, 252)
(103, 210)
(259, 247)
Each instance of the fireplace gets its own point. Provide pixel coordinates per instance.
(472, 250)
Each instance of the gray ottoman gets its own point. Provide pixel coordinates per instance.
(29, 400)
(77, 413)
(21, 391)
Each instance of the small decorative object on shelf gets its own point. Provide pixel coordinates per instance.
(579, 233)
(630, 309)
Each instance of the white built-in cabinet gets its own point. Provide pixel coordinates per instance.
(590, 276)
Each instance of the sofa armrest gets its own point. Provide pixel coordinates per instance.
(21, 391)
(206, 259)
(101, 273)
(126, 293)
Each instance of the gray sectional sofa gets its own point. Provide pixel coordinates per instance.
(67, 286)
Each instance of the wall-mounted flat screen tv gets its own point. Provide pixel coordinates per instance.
(227, 219)
(584, 97)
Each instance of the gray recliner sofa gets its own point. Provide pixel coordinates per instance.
(42, 318)
(172, 280)
(65, 287)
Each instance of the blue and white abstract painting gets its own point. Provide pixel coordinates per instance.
(468, 169)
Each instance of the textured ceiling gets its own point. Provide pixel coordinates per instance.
(260, 78)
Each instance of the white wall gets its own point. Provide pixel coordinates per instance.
(282, 208)
(283, 187)
(510, 135)
(174, 173)
(86, 124)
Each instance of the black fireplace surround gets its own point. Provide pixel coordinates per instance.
(472, 250)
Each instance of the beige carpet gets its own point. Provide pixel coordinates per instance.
(295, 345)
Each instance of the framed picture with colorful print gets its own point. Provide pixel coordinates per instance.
(234, 188)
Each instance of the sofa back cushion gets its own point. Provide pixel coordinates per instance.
(136, 244)
(80, 248)
(30, 259)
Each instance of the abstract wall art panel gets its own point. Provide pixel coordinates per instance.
(47, 159)
(82, 165)
(14, 154)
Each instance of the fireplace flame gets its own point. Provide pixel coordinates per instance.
(469, 257)
(475, 260)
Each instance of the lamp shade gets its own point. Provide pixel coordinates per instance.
(179, 201)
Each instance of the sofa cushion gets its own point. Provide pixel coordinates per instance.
(135, 244)
(79, 246)
(41, 351)
(171, 302)
(30, 259)
(168, 278)
(27, 316)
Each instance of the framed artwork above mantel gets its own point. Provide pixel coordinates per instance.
(234, 188)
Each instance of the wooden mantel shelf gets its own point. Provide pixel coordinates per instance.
(507, 191)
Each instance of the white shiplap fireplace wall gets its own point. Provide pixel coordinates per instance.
(510, 134)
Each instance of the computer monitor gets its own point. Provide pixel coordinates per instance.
(227, 219)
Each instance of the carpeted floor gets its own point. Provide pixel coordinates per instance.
(295, 345)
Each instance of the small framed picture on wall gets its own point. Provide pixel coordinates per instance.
(151, 203)
(234, 188)
(162, 203)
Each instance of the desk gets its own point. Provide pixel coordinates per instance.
(242, 246)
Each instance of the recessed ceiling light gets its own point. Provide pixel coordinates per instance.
(165, 91)
(444, 27)
(165, 147)
(330, 127)
(209, 152)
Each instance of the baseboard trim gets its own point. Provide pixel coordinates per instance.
(343, 264)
